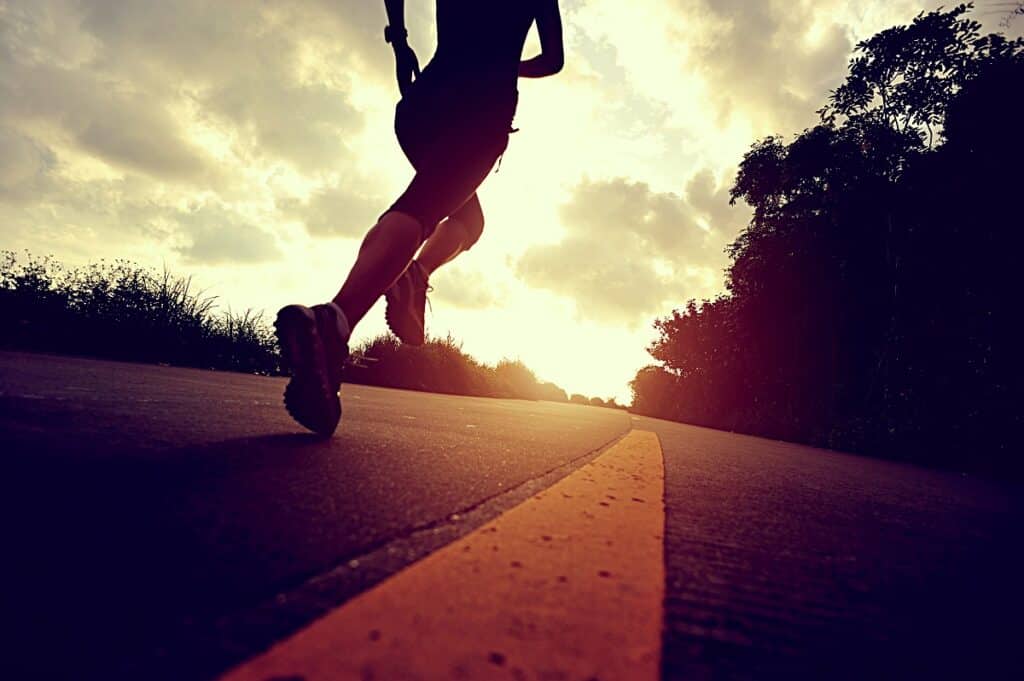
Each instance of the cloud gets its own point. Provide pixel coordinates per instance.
(777, 59)
(125, 128)
(263, 115)
(25, 165)
(728, 70)
(467, 289)
(147, 86)
(630, 251)
(219, 236)
(336, 210)
(272, 74)
(114, 115)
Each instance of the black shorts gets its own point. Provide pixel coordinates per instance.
(452, 140)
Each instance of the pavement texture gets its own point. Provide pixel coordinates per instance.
(785, 561)
(166, 523)
(171, 523)
(567, 585)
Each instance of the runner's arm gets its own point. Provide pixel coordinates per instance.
(552, 53)
(396, 13)
(407, 66)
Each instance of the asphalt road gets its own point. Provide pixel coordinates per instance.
(151, 513)
(168, 523)
(784, 561)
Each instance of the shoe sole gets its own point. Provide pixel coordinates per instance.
(309, 396)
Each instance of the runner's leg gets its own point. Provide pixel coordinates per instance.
(450, 166)
(386, 252)
(388, 248)
(453, 236)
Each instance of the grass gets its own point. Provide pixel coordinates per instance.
(120, 310)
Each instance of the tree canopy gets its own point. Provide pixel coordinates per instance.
(871, 297)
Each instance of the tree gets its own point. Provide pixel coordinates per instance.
(552, 393)
(904, 77)
(519, 378)
(654, 392)
(871, 296)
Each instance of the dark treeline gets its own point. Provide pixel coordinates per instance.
(122, 311)
(873, 300)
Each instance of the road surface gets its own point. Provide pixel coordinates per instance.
(174, 523)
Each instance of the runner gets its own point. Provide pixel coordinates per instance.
(453, 123)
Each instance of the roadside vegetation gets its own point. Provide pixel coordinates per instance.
(440, 365)
(119, 310)
(874, 299)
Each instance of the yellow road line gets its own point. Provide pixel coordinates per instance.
(567, 585)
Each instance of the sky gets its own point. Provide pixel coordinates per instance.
(250, 145)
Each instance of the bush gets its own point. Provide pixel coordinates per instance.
(122, 311)
(440, 365)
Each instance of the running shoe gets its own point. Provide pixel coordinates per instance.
(406, 305)
(314, 347)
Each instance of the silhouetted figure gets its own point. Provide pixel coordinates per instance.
(453, 124)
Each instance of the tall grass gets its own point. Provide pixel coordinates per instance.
(119, 310)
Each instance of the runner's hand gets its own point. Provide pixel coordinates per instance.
(407, 66)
